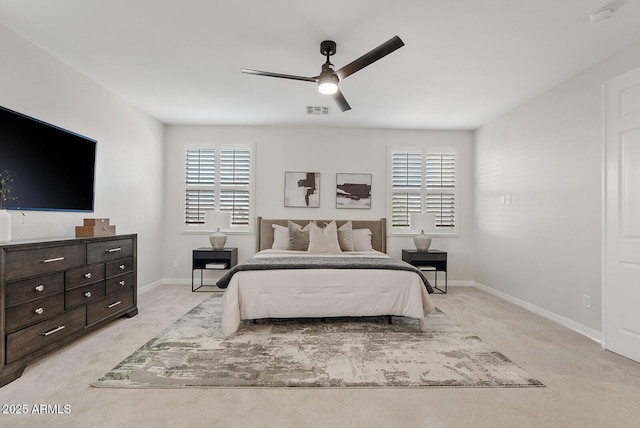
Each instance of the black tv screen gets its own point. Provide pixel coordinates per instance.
(52, 168)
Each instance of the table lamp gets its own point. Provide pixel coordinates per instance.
(423, 223)
(217, 220)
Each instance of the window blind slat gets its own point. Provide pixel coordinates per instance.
(406, 169)
(197, 202)
(402, 206)
(443, 206)
(440, 169)
(200, 166)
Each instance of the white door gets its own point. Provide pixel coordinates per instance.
(622, 217)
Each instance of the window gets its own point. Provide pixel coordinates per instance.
(423, 179)
(219, 177)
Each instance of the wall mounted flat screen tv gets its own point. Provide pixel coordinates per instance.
(52, 169)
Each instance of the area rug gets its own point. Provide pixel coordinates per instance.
(335, 352)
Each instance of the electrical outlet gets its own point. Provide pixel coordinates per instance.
(507, 199)
(174, 263)
(502, 199)
(586, 301)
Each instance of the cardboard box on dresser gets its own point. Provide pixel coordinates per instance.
(95, 227)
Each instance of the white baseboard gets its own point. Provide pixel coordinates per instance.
(151, 284)
(176, 281)
(565, 322)
(460, 283)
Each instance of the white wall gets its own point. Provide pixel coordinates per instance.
(545, 248)
(129, 176)
(325, 150)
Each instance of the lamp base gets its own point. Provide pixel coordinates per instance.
(422, 242)
(218, 239)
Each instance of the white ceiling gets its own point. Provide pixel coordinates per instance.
(464, 62)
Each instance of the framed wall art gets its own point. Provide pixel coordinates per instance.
(353, 190)
(302, 189)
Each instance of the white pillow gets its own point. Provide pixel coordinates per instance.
(280, 237)
(362, 240)
(324, 240)
(345, 236)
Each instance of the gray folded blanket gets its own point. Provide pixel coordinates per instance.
(301, 262)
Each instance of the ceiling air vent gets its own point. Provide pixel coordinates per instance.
(603, 15)
(318, 110)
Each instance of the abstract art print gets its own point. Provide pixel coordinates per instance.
(302, 189)
(353, 190)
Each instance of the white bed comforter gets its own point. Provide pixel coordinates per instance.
(315, 293)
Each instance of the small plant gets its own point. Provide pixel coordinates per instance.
(5, 189)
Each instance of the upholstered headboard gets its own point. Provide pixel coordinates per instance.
(378, 230)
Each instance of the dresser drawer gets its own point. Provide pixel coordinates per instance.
(103, 251)
(33, 311)
(26, 263)
(84, 275)
(28, 340)
(81, 295)
(109, 305)
(118, 267)
(34, 288)
(120, 282)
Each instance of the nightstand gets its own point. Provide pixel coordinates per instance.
(430, 260)
(206, 258)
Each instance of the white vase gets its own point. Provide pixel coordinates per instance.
(5, 227)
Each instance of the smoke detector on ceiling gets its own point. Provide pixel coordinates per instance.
(602, 15)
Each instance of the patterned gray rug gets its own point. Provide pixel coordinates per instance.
(351, 352)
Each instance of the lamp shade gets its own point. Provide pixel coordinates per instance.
(425, 223)
(217, 219)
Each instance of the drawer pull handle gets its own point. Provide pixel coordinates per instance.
(40, 288)
(113, 305)
(121, 283)
(114, 250)
(121, 267)
(55, 330)
(57, 259)
(87, 294)
(39, 311)
(87, 275)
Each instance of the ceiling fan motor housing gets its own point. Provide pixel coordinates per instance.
(328, 47)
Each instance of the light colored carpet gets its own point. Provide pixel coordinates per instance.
(347, 352)
(585, 386)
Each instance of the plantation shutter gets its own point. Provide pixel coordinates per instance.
(200, 182)
(218, 178)
(235, 181)
(406, 182)
(440, 173)
(423, 180)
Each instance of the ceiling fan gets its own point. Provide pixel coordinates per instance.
(329, 78)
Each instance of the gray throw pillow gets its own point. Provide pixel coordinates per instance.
(298, 236)
(345, 236)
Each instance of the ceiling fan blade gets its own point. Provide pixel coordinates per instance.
(370, 57)
(341, 101)
(280, 75)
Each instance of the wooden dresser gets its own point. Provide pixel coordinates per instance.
(55, 291)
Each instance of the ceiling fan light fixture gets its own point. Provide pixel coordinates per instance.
(329, 78)
(328, 84)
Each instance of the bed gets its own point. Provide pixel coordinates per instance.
(341, 274)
